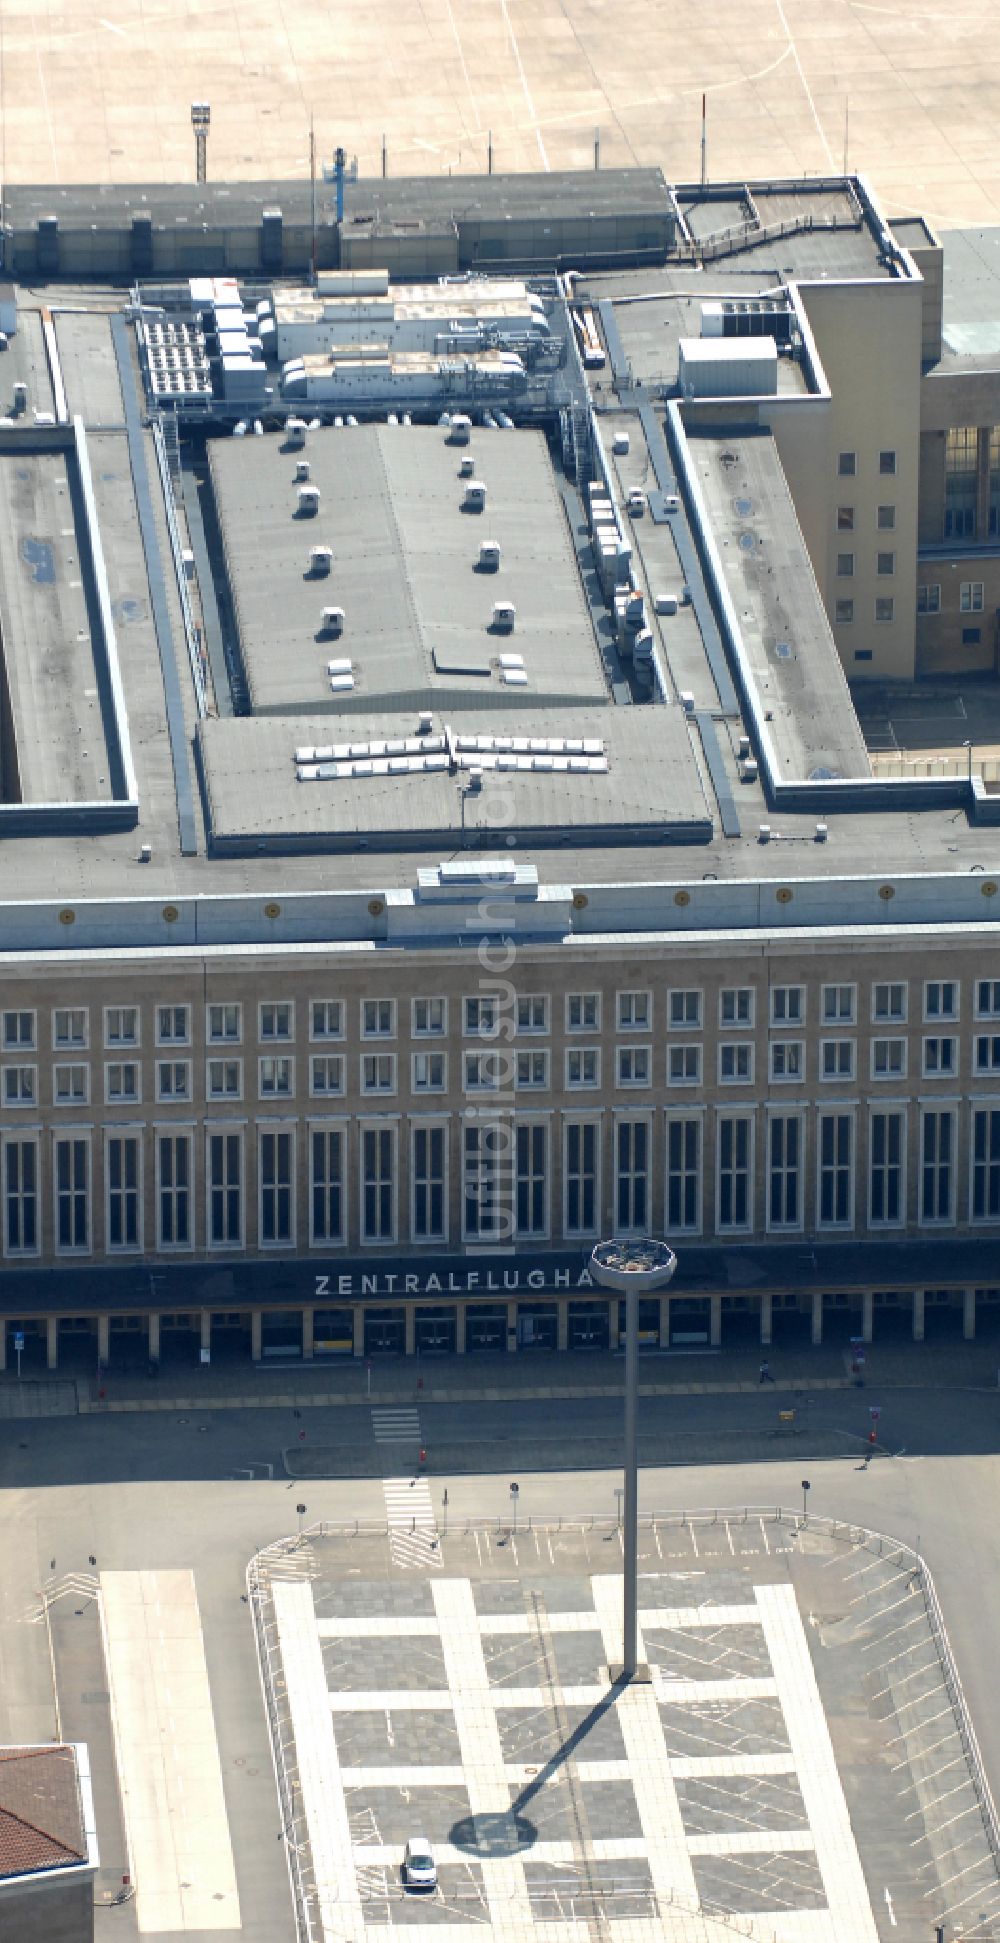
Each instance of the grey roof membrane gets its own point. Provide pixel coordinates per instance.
(972, 292)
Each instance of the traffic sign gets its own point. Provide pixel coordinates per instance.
(19, 1339)
(874, 1413)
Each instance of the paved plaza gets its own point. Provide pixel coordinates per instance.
(792, 1769)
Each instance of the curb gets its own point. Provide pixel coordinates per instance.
(347, 1400)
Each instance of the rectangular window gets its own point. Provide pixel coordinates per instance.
(176, 1226)
(326, 1019)
(885, 564)
(123, 1160)
(843, 612)
(18, 1031)
(736, 1062)
(886, 519)
(428, 1018)
(71, 1085)
(580, 1177)
(634, 1065)
(970, 597)
(121, 1025)
(486, 1072)
(838, 1004)
(378, 1072)
(987, 1053)
(172, 1025)
(683, 1065)
(885, 608)
(937, 1165)
(836, 1059)
(377, 1184)
(886, 463)
(428, 1183)
(326, 1074)
(487, 1183)
(736, 1005)
(121, 1083)
(225, 1190)
(684, 1138)
(941, 999)
(533, 1013)
(20, 1085)
(734, 1203)
(845, 566)
(276, 1021)
(787, 1060)
(961, 484)
(326, 1184)
(69, 1028)
(684, 1011)
(20, 1188)
(583, 1012)
(531, 1183)
(482, 1018)
(929, 598)
(888, 1058)
(72, 1194)
(784, 1171)
(971, 637)
(635, 1011)
(788, 1004)
(378, 1018)
(583, 1066)
(275, 1078)
(845, 519)
(277, 1202)
(847, 464)
(887, 1149)
(889, 1002)
(940, 1058)
(225, 1022)
(428, 1072)
(532, 1071)
(988, 998)
(224, 1079)
(986, 1164)
(835, 1154)
(173, 1079)
(632, 1176)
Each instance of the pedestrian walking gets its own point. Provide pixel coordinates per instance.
(765, 1373)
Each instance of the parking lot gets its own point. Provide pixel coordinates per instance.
(793, 1762)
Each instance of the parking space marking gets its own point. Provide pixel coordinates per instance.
(752, 1841)
(320, 1780)
(167, 1753)
(652, 1782)
(379, 1626)
(686, 1691)
(819, 1781)
(481, 1750)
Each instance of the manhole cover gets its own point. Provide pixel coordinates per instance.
(744, 507)
(783, 649)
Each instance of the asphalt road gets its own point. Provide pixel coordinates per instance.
(159, 1491)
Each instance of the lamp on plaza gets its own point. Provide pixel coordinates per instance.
(631, 1269)
(201, 117)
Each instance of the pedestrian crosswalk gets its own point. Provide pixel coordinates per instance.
(413, 1538)
(395, 1426)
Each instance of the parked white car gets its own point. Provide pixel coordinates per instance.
(419, 1866)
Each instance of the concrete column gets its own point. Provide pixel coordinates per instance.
(918, 1315)
(615, 1336)
(256, 1335)
(307, 1334)
(867, 1314)
(715, 1320)
(968, 1314)
(983, 485)
(206, 1330)
(359, 1329)
(512, 1325)
(153, 1347)
(664, 1322)
(52, 1342)
(103, 1339)
(410, 1329)
(766, 1302)
(817, 1316)
(3, 1343)
(461, 1317)
(562, 1323)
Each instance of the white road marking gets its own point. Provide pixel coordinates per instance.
(892, 1913)
(524, 83)
(167, 1753)
(320, 1781)
(112, 28)
(805, 85)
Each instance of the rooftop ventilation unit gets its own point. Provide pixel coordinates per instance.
(333, 620)
(301, 470)
(308, 500)
(504, 613)
(620, 444)
(425, 722)
(665, 603)
(320, 559)
(295, 432)
(475, 496)
(460, 429)
(466, 466)
(489, 556)
(513, 678)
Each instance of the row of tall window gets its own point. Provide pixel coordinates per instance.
(519, 1179)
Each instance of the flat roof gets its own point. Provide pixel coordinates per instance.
(418, 611)
(650, 790)
(655, 309)
(786, 635)
(971, 316)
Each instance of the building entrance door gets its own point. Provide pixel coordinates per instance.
(486, 1326)
(436, 1332)
(385, 1332)
(588, 1325)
